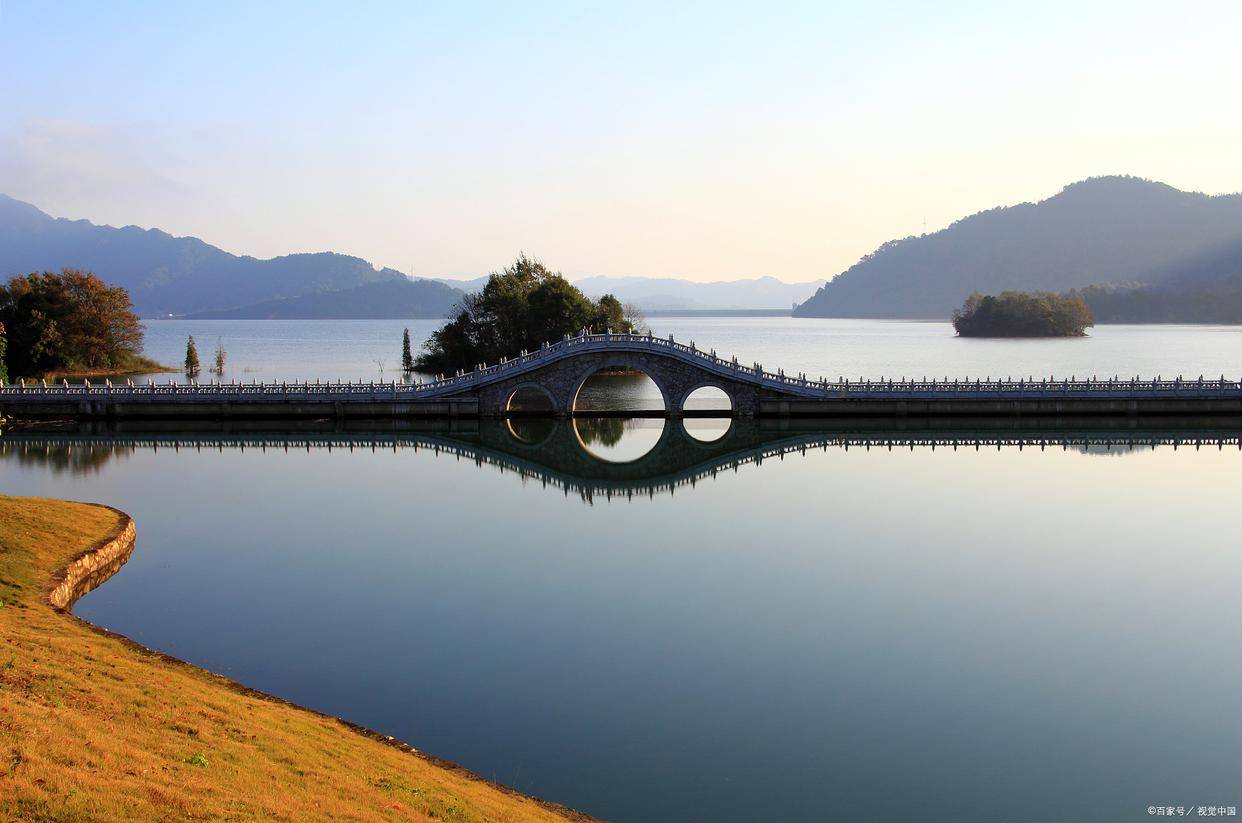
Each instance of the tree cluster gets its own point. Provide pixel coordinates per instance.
(1023, 314)
(518, 309)
(71, 321)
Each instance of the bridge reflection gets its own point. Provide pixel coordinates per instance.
(588, 457)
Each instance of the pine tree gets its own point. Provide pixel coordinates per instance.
(191, 359)
(407, 356)
(220, 355)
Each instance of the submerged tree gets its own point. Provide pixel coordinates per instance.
(518, 309)
(407, 356)
(1023, 314)
(221, 354)
(191, 359)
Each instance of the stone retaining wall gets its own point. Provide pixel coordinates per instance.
(93, 566)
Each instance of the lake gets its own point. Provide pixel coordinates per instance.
(735, 622)
(294, 350)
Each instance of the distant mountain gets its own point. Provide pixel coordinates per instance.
(1102, 230)
(666, 293)
(471, 285)
(1206, 288)
(390, 299)
(662, 293)
(166, 274)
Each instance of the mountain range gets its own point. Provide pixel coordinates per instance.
(1098, 232)
(1138, 251)
(183, 275)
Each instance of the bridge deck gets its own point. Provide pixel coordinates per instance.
(781, 394)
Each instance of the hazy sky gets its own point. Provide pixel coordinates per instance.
(703, 140)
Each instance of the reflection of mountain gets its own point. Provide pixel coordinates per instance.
(678, 460)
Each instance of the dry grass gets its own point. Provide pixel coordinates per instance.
(93, 727)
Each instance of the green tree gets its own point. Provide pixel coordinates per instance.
(519, 308)
(1023, 314)
(4, 372)
(191, 359)
(407, 356)
(71, 321)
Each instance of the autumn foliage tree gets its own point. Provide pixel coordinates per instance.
(71, 321)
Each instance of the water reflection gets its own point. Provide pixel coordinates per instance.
(620, 456)
(707, 429)
(61, 456)
(618, 439)
(833, 610)
(531, 431)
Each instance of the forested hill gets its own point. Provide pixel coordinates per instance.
(166, 274)
(1101, 230)
(392, 299)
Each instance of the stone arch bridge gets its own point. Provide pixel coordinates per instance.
(559, 371)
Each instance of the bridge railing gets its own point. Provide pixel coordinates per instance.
(708, 360)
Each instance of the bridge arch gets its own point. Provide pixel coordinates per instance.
(535, 387)
(620, 362)
(707, 383)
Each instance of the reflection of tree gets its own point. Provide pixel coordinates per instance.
(78, 460)
(602, 431)
(1121, 450)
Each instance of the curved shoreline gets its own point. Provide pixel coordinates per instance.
(95, 565)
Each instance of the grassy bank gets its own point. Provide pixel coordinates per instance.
(94, 727)
(138, 365)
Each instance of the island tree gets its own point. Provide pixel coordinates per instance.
(1023, 314)
(69, 322)
(518, 309)
(220, 357)
(191, 359)
(407, 356)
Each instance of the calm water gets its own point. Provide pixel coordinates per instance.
(653, 626)
(352, 349)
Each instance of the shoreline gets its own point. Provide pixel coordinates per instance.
(146, 367)
(91, 567)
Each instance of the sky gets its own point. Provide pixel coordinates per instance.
(708, 141)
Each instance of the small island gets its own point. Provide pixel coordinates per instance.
(1023, 314)
(518, 309)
